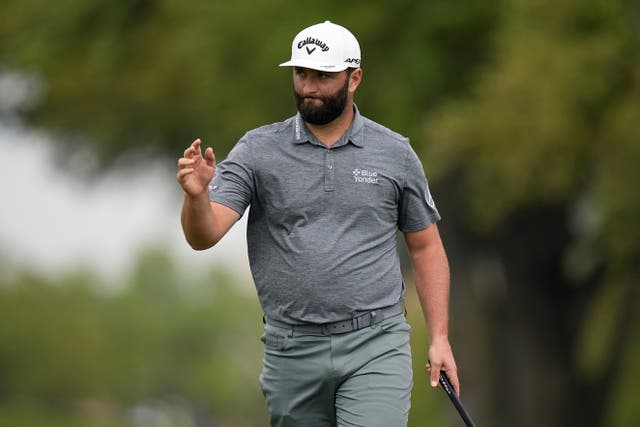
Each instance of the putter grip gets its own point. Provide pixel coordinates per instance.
(448, 388)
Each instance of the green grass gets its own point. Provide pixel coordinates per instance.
(23, 415)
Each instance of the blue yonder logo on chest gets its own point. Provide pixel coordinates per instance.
(363, 176)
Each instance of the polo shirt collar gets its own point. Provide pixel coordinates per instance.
(354, 135)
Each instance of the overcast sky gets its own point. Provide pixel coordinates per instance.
(51, 222)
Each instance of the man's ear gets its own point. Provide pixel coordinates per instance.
(354, 79)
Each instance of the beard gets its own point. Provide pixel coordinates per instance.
(330, 108)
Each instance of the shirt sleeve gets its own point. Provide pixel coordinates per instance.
(233, 183)
(417, 209)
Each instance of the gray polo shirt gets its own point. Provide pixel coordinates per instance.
(323, 221)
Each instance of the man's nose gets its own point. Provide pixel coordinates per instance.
(310, 86)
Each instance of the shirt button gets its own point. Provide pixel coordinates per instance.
(330, 167)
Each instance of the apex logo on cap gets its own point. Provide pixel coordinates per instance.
(310, 40)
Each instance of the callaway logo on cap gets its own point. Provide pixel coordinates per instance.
(324, 47)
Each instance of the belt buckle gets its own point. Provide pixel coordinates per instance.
(325, 329)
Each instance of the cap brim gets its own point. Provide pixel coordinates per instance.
(314, 66)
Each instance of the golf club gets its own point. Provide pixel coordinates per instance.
(448, 388)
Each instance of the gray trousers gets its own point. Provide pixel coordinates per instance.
(360, 378)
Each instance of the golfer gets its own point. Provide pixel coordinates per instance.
(328, 190)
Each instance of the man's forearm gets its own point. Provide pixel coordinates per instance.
(198, 222)
(431, 272)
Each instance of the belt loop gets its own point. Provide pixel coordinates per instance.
(373, 319)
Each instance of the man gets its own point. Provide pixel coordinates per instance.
(328, 190)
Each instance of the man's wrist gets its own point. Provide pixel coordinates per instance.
(199, 197)
(439, 338)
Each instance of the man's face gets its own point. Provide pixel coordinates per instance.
(320, 96)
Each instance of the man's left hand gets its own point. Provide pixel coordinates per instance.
(441, 359)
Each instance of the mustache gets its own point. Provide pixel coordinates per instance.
(301, 96)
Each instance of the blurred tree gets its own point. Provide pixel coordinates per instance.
(538, 166)
(129, 78)
(51, 339)
(66, 347)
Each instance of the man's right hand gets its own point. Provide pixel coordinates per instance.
(195, 171)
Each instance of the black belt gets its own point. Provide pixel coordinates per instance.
(340, 327)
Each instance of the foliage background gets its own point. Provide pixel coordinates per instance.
(525, 113)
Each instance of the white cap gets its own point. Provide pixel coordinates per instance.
(324, 47)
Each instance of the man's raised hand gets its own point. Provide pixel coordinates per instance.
(195, 171)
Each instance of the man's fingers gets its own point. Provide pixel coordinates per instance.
(193, 149)
(210, 157)
(455, 382)
(191, 164)
(191, 154)
(183, 172)
(185, 162)
(452, 374)
(434, 374)
(196, 147)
